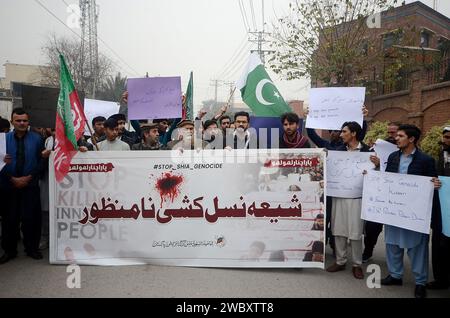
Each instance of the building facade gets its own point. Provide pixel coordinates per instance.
(419, 91)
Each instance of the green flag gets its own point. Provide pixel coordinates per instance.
(188, 104)
(259, 92)
(70, 122)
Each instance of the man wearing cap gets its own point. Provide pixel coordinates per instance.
(440, 244)
(186, 137)
(112, 142)
(123, 134)
(150, 138)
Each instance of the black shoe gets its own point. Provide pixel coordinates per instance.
(420, 291)
(366, 258)
(35, 255)
(389, 280)
(436, 285)
(7, 257)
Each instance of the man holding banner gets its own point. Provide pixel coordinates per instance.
(408, 160)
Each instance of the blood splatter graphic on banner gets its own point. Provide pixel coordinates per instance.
(168, 186)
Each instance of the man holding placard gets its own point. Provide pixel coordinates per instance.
(334, 143)
(408, 160)
(346, 222)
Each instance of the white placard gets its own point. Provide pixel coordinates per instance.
(330, 107)
(2, 149)
(94, 108)
(396, 199)
(383, 149)
(344, 173)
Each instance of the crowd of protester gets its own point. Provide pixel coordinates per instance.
(24, 183)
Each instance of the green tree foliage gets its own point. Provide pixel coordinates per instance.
(327, 40)
(377, 130)
(430, 143)
(70, 47)
(112, 88)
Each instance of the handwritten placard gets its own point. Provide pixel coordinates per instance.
(154, 98)
(345, 173)
(330, 107)
(383, 149)
(401, 200)
(444, 197)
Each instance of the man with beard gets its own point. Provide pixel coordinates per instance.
(242, 137)
(292, 136)
(392, 132)
(150, 138)
(186, 139)
(225, 122)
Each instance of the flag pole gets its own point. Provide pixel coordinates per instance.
(92, 135)
(231, 96)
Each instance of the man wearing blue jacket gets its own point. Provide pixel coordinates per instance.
(20, 180)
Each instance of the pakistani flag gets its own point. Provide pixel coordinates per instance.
(70, 122)
(259, 92)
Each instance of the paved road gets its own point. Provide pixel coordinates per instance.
(25, 277)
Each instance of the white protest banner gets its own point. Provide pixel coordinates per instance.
(401, 200)
(344, 173)
(2, 149)
(94, 108)
(330, 107)
(383, 149)
(149, 207)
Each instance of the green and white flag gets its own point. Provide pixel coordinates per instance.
(259, 92)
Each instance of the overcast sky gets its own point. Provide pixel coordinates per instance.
(161, 37)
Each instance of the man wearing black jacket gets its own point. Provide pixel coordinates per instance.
(408, 160)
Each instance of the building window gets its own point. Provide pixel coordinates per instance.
(388, 40)
(425, 39)
(365, 48)
(392, 38)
